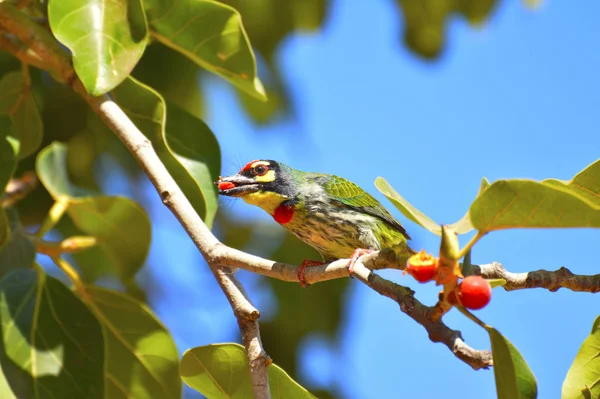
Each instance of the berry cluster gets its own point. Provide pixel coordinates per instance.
(473, 292)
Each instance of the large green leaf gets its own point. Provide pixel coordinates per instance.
(209, 33)
(19, 251)
(141, 357)
(524, 203)
(184, 143)
(221, 371)
(406, 208)
(550, 203)
(584, 374)
(585, 184)
(106, 38)
(52, 345)
(514, 378)
(121, 226)
(18, 103)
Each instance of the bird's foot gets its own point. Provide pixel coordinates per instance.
(306, 263)
(355, 255)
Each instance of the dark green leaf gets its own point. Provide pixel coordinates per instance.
(19, 250)
(584, 373)
(188, 148)
(514, 378)
(193, 144)
(174, 76)
(466, 267)
(209, 33)
(18, 103)
(141, 357)
(221, 371)
(52, 345)
(106, 38)
(406, 208)
(121, 226)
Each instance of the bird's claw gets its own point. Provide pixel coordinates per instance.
(306, 263)
(355, 255)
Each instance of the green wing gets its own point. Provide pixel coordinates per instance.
(352, 196)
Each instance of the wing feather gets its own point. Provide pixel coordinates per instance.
(352, 196)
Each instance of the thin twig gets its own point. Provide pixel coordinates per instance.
(550, 280)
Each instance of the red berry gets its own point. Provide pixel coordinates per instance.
(422, 267)
(226, 185)
(474, 292)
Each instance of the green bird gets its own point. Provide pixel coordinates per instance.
(331, 214)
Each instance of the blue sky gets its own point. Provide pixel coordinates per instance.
(517, 97)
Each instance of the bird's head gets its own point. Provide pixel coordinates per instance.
(264, 183)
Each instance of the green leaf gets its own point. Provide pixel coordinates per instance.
(524, 203)
(209, 33)
(106, 38)
(464, 225)
(121, 226)
(221, 371)
(19, 250)
(406, 208)
(466, 267)
(514, 378)
(184, 143)
(193, 144)
(18, 103)
(585, 184)
(141, 357)
(52, 345)
(584, 373)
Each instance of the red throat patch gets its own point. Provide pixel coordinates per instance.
(283, 213)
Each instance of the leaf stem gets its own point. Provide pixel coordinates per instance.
(470, 244)
(54, 215)
(70, 272)
(471, 316)
(68, 245)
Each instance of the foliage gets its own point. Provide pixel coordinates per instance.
(83, 339)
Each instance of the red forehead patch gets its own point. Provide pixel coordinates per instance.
(249, 165)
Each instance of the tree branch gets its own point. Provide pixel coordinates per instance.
(44, 52)
(44, 46)
(437, 330)
(550, 280)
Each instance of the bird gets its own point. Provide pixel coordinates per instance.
(330, 213)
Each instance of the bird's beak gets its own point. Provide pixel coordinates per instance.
(236, 185)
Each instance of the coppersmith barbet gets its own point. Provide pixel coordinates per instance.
(331, 214)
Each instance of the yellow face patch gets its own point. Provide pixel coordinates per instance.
(268, 177)
(268, 201)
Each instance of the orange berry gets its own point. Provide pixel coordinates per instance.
(474, 292)
(422, 267)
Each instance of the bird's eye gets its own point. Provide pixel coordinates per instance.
(261, 170)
